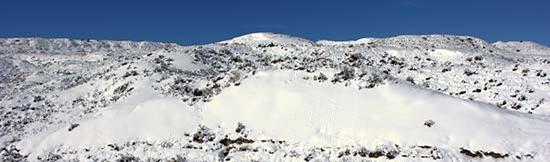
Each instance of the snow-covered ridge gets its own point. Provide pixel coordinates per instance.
(8, 45)
(455, 42)
(60, 45)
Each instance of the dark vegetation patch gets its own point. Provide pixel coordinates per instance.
(72, 127)
(321, 77)
(11, 153)
(344, 75)
(429, 123)
(266, 45)
(123, 88)
(238, 141)
(481, 154)
(203, 135)
(130, 73)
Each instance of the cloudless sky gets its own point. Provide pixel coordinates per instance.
(205, 21)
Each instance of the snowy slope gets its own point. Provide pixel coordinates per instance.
(272, 97)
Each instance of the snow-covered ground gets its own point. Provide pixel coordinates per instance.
(271, 97)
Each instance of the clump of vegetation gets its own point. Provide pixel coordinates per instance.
(321, 77)
(410, 79)
(203, 135)
(344, 75)
(429, 123)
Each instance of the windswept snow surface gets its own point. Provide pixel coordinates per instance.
(272, 97)
(283, 105)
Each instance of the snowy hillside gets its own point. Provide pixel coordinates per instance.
(272, 97)
(523, 47)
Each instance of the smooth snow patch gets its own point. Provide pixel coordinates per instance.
(348, 42)
(443, 53)
(185, 62)
(394, 53)
(284, 106)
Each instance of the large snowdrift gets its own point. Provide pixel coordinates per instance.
(283, 105)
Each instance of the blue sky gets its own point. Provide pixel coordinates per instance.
(205, 21)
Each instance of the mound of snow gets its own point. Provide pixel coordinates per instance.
(143, 116)
(256, 39)
(284, 106)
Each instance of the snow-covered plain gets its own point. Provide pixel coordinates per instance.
(271, 97)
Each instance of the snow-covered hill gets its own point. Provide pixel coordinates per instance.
(272, 97)
(523, 47)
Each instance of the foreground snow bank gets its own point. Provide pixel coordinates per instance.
(282, 105)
